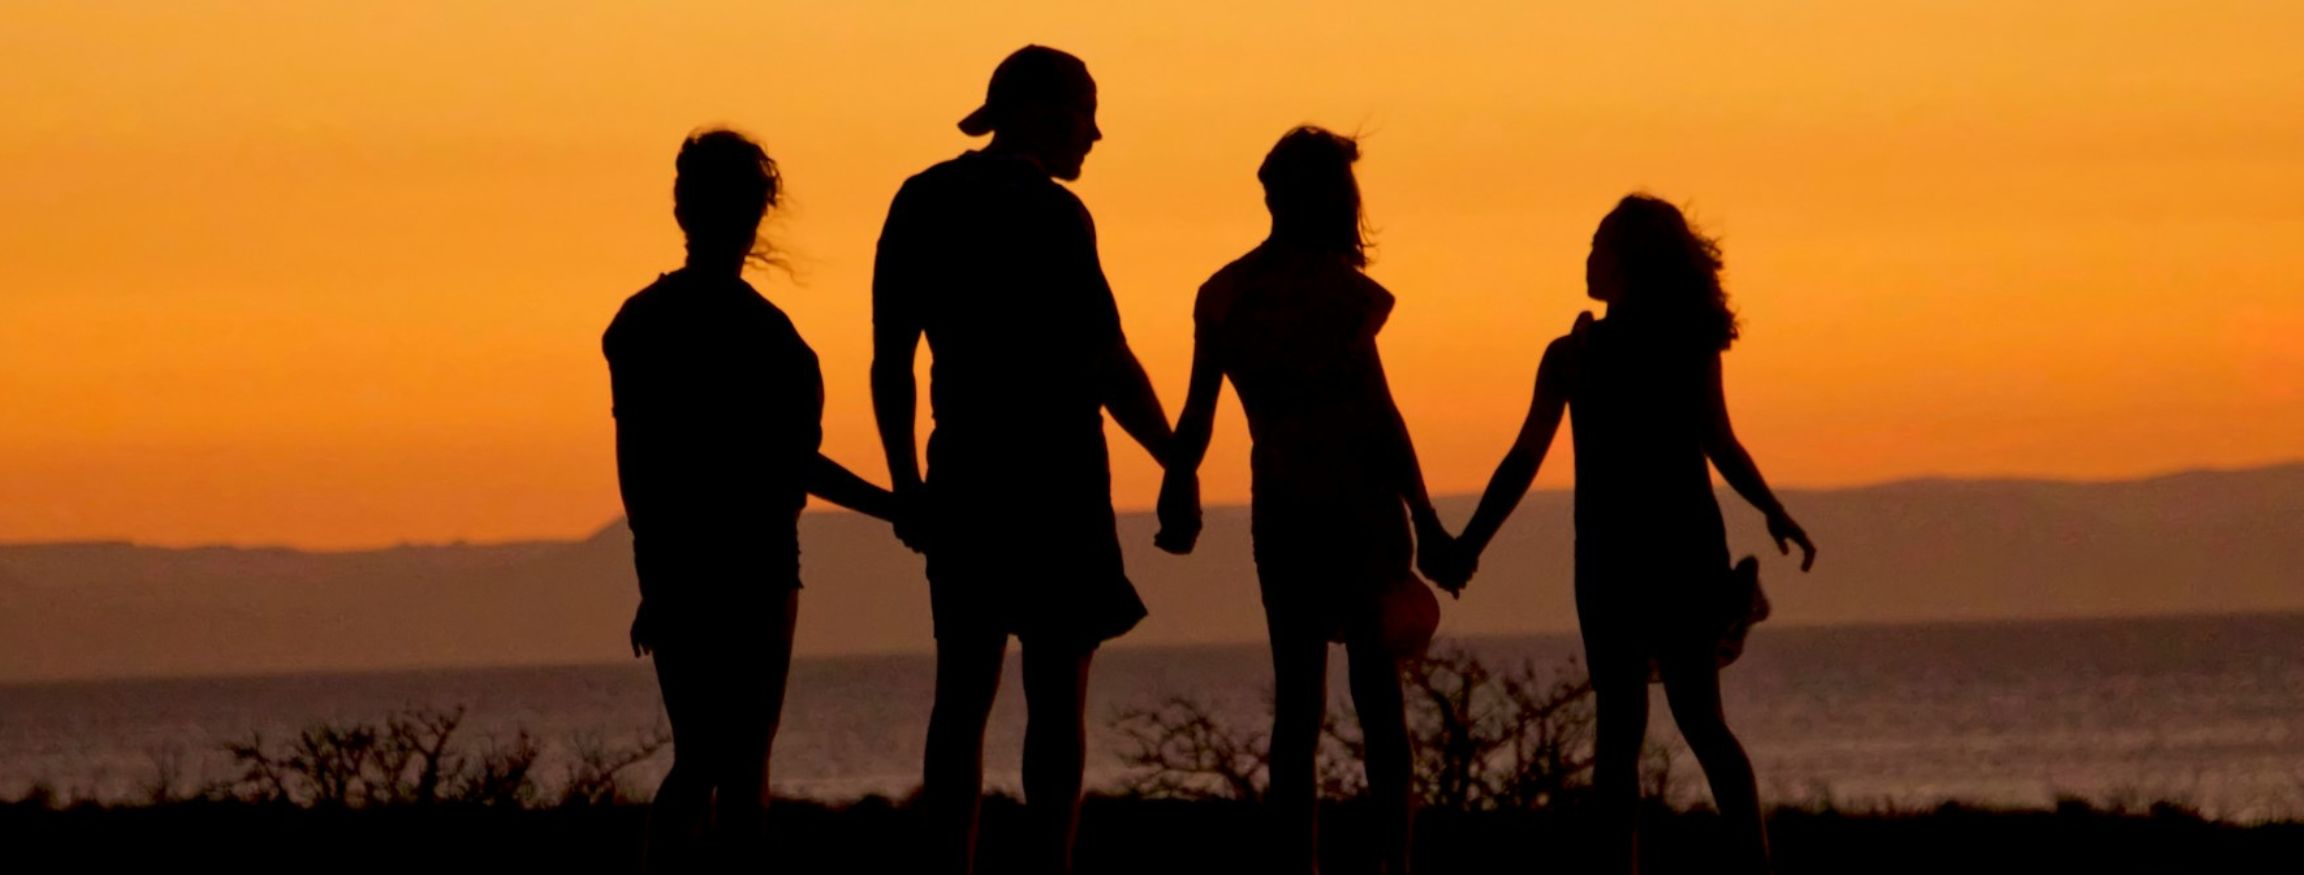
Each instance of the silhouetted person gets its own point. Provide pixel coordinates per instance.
(1651, 552)
(718, 406)
(1293, 323)
(996, 264)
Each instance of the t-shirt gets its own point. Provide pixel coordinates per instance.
(997, 264)
(719, 406)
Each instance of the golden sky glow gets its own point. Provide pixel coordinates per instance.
(334, 274)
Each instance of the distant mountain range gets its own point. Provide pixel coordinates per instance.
(1912, 551)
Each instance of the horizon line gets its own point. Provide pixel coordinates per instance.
(818, 508)
(1569, 632)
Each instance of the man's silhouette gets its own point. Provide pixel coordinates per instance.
(996, 264)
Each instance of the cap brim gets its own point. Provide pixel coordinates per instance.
(978, 123)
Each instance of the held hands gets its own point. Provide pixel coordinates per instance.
(1786, 532)
(1452, 573)
(1442, 559)
(1179, 512)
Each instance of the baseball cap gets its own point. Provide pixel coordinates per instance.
(1034, 75)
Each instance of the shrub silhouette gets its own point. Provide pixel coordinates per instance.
(594, 778)
(1484, 740)
(413, 758)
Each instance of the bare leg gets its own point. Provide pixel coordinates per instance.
(1375, 675)
(952, 780)
(743, 800)
(1299, 705)
(1692, 686)
(681, 812)
(1055, 749)
(1620, 696)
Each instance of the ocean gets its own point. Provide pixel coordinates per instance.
(2204, 711)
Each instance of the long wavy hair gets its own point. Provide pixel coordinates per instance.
(1670, 271)
(1313, 196)
(723, 185)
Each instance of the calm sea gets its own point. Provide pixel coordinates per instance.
(2209, 711)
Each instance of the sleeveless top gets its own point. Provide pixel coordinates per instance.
(1644, 498)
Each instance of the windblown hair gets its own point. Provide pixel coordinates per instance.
(724, 184)
(1670, 271)
(1314, 199)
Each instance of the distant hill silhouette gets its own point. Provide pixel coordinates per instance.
(1922, 550)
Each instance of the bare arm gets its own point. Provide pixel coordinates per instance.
(830, 481)
(633, 483)
(1197, 422)
(895, 407)
(1179, 507)
(896, 331)
(1518, 470)
(629, 482)
(1743, 475)
(1133, 404)
(1126, 390)
(1409, 472)
(896, 403)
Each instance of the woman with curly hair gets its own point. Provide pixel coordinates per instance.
(1654, 593)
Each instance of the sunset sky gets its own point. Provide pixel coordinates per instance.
(333, 275)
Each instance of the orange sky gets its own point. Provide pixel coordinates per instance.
(334, 274)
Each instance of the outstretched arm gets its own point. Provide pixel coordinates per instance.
(1197, 422)
(830, 481)
(1743, 475)
(1518, 470)
(1180, 492)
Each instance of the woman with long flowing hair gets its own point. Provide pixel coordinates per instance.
(1654, 591)
(1337, 490)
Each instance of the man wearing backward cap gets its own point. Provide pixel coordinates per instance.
(995, 263)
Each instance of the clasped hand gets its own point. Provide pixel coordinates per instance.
(1442, 559)
(1179, 512)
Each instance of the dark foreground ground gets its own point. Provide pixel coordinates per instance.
(1118, 836)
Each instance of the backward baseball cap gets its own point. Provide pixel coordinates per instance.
(1034, 75)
